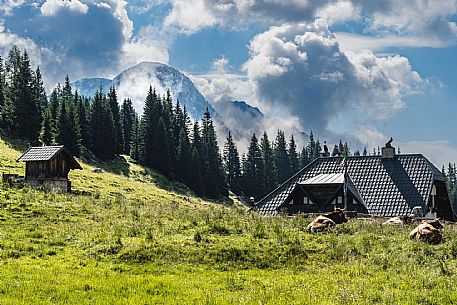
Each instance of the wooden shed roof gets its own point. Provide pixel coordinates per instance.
(47, 153)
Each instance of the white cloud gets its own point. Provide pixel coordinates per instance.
(339, 12)
(8, 5)
(301, 69)
(190, 16)
(356, 42)
(52, 7)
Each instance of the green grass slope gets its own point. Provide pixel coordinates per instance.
(140, 239)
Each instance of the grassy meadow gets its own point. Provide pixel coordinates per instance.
(136, 238)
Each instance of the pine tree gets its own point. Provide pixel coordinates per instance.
(336, 151)
(341, 147)
(304, 157)
(311, 147)
(346, 150)
(266, 150)
(39, 92)
(26, 113)
(54, 106)
(114, 106)
(253, 171)
(163, 162)
(128, 115)
(357, 153)
(46, 135)
(281, 158)
(68, 132)
(101, 127)
(67, 93)
(213, 173)
(293, 157)
(365, 152)
(232, 167)
(83, 117)
(184, 157)
(135, 146)
(317, 150)
(149, 129)
(197, 183)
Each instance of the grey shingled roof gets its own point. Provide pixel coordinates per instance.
(42, 153)
(389, 187)
(47, 153)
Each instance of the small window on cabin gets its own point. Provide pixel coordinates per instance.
(334, 201)
(310, 202)
(305, 200)
(291, 202)
(340, 200)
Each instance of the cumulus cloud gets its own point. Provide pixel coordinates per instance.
(52, 7)
(419, 18)
(81, 38)
(301, 69)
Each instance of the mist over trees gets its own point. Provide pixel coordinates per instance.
(163, 137)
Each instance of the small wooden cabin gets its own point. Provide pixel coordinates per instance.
(48, 167)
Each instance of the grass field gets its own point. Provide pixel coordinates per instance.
(140, 239)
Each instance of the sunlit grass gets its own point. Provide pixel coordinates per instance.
(132, 242)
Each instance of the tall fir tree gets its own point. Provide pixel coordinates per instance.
(83, 109)
(365, 152)
(128, 115)
(67, 132)
(149, 129)
(115, 111)
(304, 157)
(336, 151)
(213, 173)
(3, 88)
(26, 111)
(101, 127)
(39, 92)
(281, 158)
(293, 157)
(253, 171)
(183, 161)
(232, 167)
(266, 150)
(163, 161)
(197, 183)
(46, 135)
(135, 146)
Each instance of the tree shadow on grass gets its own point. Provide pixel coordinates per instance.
(118, 166)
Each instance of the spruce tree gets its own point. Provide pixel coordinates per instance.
(336, 151)
(293, 157)
(163, 161)
(266, 151)
(67, 132)
(128, 115)
(253, 171)
(83, 109)
(281, 158)
(304, 157)
(149, 129)
(197, 183)
(184, 157)
(365, 152)
(39, 92)
(232, 167)
(311, 147)
(114, 106)
(54, 106)
(346, 149)
(46, 135)
(26, 112)
(135, 146)
(213, 173)
(102, 127)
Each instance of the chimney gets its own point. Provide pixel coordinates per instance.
(388, 152)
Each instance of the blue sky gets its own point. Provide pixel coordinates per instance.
(352, 69)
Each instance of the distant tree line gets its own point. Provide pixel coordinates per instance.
(451, 182)
(163, 137)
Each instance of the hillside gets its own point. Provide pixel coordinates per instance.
(138, 238)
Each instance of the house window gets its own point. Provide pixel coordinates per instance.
(334, 201)
(305, 200)
(340, 200)
(291, 202)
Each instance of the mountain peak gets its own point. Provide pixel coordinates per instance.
(135, 81)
